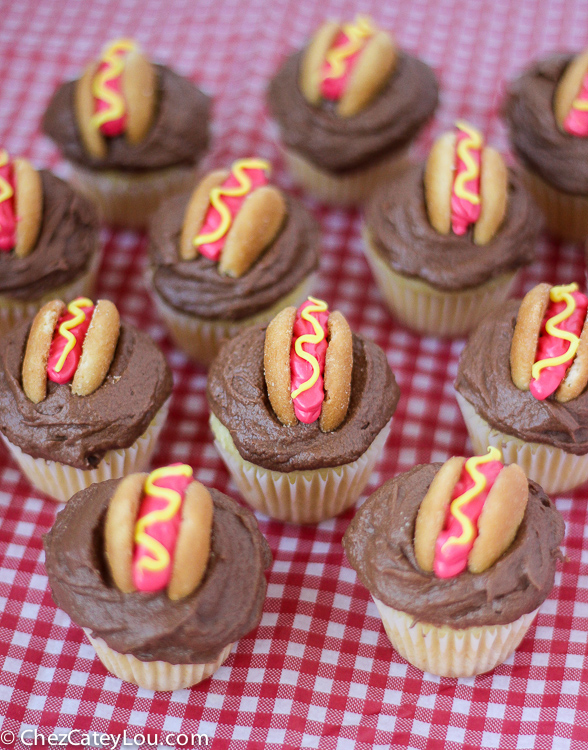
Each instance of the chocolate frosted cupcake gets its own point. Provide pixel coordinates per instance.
(458, 558)
(300, 412)
(521, 385)
(133, 131)
(231, 254)
(161, 599)
(49, 243)
(547, 114)
(348, 106)
(445, 239)
(82, 396)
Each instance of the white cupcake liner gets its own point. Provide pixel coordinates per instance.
(154, 675)
(553, 468)
(449, 652)
(298, 496)
(201, 339)
(422, 308)
(60, 481)
(566, 215)
(128, 199)
(13, 311)
(346, 189)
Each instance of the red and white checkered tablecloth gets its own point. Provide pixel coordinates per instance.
(319, 671)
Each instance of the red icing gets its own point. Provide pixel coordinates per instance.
(464, 212)
(165, 532)
(307, 406)
(7, 211)
(65, 375)
(117, 126)
(576, 121)
(213, 219)
(452, 560)
(333, 88)
(550, 346)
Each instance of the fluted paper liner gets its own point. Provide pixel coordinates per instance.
(126, 199)
(298, 496)
(13, 311)
(201, 339)
(553, 468)
(346, 189)
(566, 215)
(431, 311)
(449, 652)
(61, 481)
(154, 675)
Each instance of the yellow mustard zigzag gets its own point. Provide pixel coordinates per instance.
(64, 329)
(559, 294)
(472, 170)
(114, 59)
(356, 34)
(161, 558)
(318, 305)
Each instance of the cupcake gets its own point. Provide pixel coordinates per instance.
(458, 558)
(133, 132)
(49, 243)
(547, 114)
(231, 254)
(445, 240)
(521, 385)
(83, 396)
(300, 412)
(162, 574)
(347, 107)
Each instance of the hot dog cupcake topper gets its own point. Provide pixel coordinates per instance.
(570, 102)
(549, 351)
(116, 96)
(466, 184)
(470, 514)
(73, 344)
(232, 216)
(348, 64)
(21, 205)
(308, 360)
(157, 532)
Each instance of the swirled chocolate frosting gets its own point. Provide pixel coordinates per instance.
(398, 226)
(559, 158)
(194, 630)
(483, 378)
(342, 144)
(237, 396)
(79, 430)
(196, 287)
(68, 240)
(178, 136)
(379, 545)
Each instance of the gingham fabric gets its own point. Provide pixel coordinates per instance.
(319, 671)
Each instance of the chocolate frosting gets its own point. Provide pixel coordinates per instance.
(67, 241)
(226, 606)
(196, 286)
(342, 144)
(78, 430)
(379, 545)
(178, 135)
(483, 378)
(237, 396)
(559, 158)
(398, 226)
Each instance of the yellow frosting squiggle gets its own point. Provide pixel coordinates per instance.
(356, 34)
(114, 59)
(217, 193)
(560, 294)
(318, 305)
(472, 170)
(161, 558)
(6, 191)
(64, 329)
(480, 482)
